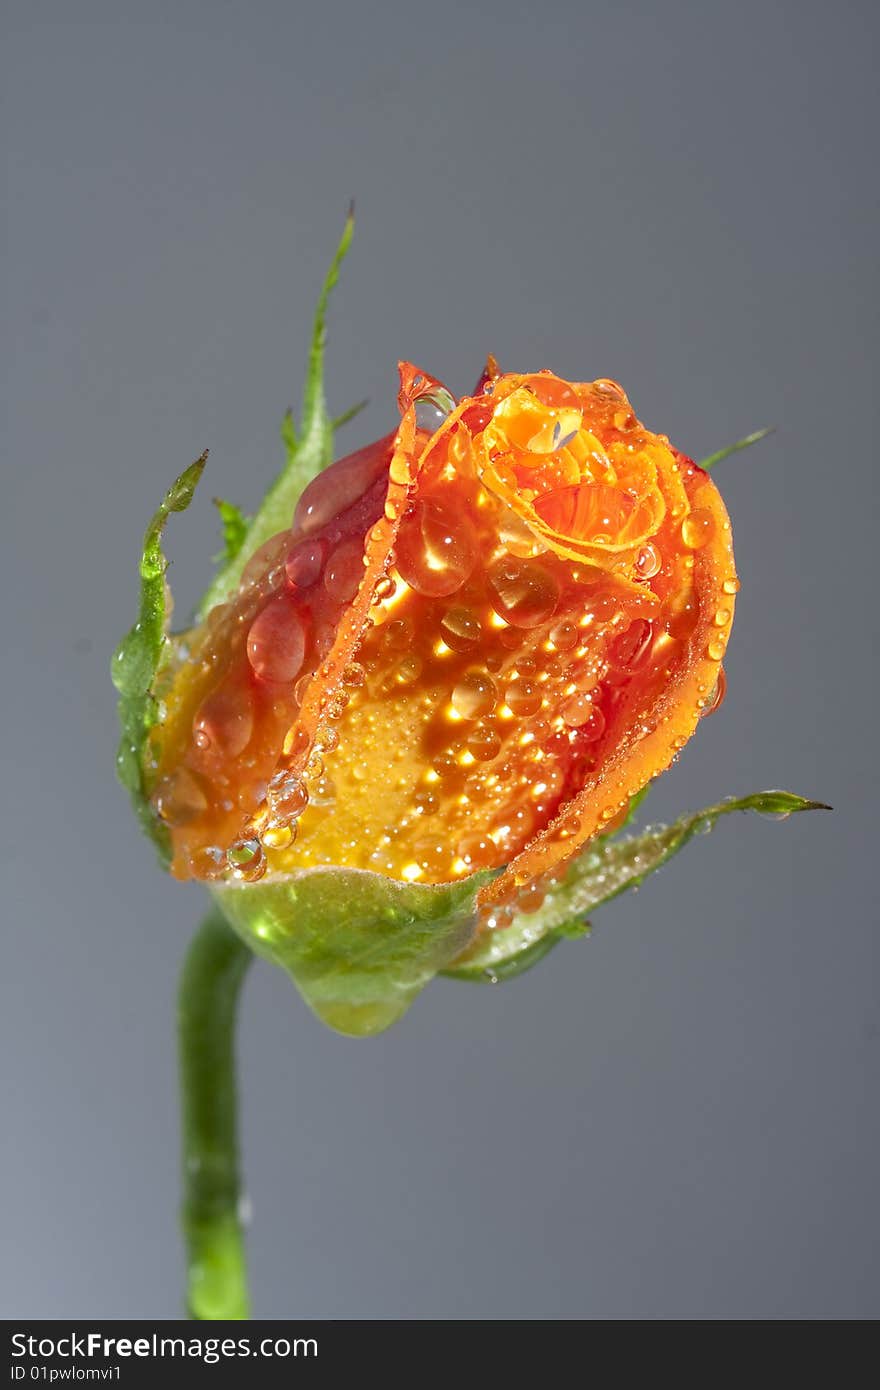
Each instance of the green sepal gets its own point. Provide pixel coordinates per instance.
(140, 654)
(307, 449)
(358, 946)
(235, 525)
(605, 869)
(707, 464)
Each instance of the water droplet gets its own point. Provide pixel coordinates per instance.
(432, 409)
(697, 529)
(314, 769)
(385, 589)
(304, 564)
(648, 561)
(579, 712)
(353, 675)
(344, 570)
(564, 636)
(224, 721)
(722, 617)
(326, 738)
(336, 488)
(286, 797)
(478, 851)
(180, 799)
(524, 594)
(716, 698)
(278, 836)
(483, 744)
(715, 649)
(460, 628)
(436, 549)
(337, 705)
(474, 695)
(276, 643)
(731, 586)
(409, 670)
(523, 697)
(247, 860)
(322, 791)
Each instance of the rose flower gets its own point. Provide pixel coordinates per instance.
(403, 717)
(478, 640)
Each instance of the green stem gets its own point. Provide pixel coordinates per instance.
(210, 983)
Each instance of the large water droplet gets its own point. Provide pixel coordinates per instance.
(179, 799)
(304, 563)
(436, 549)
(339, 486)
(344, 570)
(474, 695)
(697, 529)
(432, 409)
(247, 860)
(460, 629)
(276, 644)
(224, 722)
(521, 592)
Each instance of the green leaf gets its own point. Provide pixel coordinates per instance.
(235, 525)
(139, 655)
(358, 946)
(307, 449)
(709, 463)
(604, 870)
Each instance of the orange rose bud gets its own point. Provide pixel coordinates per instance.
(479, 639)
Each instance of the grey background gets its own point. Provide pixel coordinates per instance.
(676, 1118)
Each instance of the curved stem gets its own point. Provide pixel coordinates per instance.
(210, 984)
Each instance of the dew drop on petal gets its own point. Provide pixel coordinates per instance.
(460, 629)
(179, 799)
(716, 698)
(344, 570)
(524, 594)
(564, 636)
(432, 409)
(648, 561)
(483, 744)
(246, 860)
(474, 695)
(436, 549)
(278, 836)
(523, 697)
(697, 529)
(224, 721)
(577, 710)
(478, 851)
(276, 643)
(336, 488)
(286, 797)
(304, 563)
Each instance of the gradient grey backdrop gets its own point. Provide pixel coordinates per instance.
(676, 1118)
